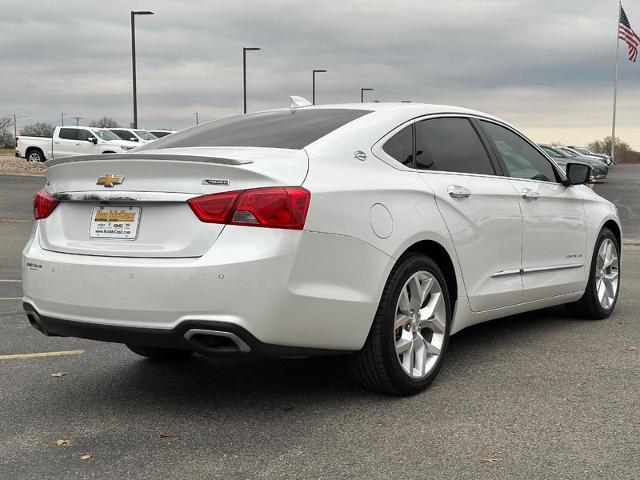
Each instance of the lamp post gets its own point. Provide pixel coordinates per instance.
(362, 90)
(196, 114)
(78, 120)
(244, 73)
(62, 119)
(314, 84)
(133, 61)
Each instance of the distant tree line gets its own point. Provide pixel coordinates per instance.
(623, 152)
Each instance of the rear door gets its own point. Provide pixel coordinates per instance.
(479, 207)
(554, 242)
(65, 142)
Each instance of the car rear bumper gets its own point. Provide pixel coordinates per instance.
(279, 287)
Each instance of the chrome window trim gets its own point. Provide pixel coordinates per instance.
(522, 271)
(379, 152)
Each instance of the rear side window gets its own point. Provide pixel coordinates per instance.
(451, 145)
(400, 146)
(293, 129)
(518, 156)
(68, 134)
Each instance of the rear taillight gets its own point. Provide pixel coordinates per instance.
(271, 207)
(43, 204)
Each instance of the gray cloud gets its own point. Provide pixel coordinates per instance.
(544, 65)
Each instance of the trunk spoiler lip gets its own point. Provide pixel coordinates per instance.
(147, 156)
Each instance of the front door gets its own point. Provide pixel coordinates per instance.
(554, 260)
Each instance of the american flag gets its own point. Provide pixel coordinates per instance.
(626, 33)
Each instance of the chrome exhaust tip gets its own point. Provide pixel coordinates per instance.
(216, 341)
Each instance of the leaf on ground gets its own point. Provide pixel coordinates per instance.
(491, 460)
(85, 456)
(433, 386)
(59, 374)
(164, 435)
(632, 348)
(63, 442)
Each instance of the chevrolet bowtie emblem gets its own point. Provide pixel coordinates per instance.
(110, 180)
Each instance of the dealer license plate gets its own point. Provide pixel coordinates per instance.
(115, 222)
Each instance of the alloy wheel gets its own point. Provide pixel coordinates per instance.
(607, 273)
(420, 324)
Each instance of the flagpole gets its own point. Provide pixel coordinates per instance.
(615, 86)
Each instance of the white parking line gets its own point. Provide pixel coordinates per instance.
(14, 220)
(10, 298)
(21, 356)
(7, 280)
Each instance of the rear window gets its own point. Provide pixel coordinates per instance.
(293, 129)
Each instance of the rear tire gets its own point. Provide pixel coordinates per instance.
(35, 155)
(603, 287)
(385, 363)
(160, 354)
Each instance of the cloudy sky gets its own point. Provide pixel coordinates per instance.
(544, 65)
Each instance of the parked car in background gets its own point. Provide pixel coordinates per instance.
(598, 169)
(575, 154)
(68, 141)
(372, 230)
(134, 135)
(586, 151)
(161, 133)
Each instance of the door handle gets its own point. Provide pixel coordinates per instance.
(456, 191)
(530, 194)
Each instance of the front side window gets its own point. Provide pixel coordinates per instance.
(400, 146)
(123, 134)
(451, 145)
(84, 135)
(68, 134)
(552, 152)
(105, 134)
(518, 156)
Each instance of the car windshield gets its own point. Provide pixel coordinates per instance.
(144, 135)
(568, 152)
(105, 134)
(553, 152)
(292, 129)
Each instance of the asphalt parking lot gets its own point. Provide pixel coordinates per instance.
(540, 395)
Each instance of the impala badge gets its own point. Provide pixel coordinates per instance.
(215, 181)
(109, 180)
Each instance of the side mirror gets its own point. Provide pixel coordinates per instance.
(134, 139)
(578, 174)
(93, 140)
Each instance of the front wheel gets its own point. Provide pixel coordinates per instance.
(160, 354)
(408, 339)
(35, 156)
(601, 294)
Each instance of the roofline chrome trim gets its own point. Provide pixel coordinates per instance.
(146, 156)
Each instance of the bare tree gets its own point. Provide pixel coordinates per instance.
(6, 134)
(104, 122)
(623, 151)
(39, 129)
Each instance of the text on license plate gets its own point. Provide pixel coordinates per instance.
(115, 222)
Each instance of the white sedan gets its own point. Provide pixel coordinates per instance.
(374, 230)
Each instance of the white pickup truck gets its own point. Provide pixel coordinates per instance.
(68, 141)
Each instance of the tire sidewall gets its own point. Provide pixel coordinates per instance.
(36, 152)
(605, 234)
(411, 265)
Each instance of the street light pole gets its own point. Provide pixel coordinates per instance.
(197, 123)
(244, 73)
(314, 84)
(78, 120)
(362, 90)
(62, 119)
(15, 124)
(133, 61)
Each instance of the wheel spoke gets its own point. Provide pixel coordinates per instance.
(404, 306)
(404, 344)
(401, 321)
(432, 349)
(416, 293)
(420, 352)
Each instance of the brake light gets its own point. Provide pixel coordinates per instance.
(271, 207)
(43, 204)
